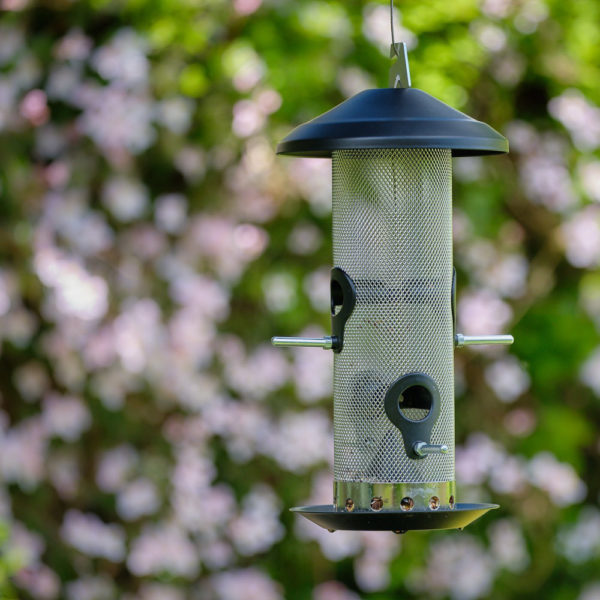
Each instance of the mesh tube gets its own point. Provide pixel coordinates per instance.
(392, 234)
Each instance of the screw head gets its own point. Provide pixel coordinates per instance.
(376, 503)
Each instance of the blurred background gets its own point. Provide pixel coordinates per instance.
(151, 440)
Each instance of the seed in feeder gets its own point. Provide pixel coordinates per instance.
(407, 503)
(377, 503)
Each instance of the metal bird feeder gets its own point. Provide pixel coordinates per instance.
(393, 314)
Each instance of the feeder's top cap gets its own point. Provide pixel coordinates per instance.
(393, 118)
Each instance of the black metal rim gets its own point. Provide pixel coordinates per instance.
(328, 517)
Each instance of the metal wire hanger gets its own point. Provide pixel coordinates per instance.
(399, 71)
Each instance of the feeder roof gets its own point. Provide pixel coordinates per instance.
(393, 118)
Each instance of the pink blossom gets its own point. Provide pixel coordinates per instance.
(546, 179)
(498, 9)
(458, 567)
(163, 548)
(301, 440)
(88, 534)
(138, 498)
(476, 459)
(65, 416)
(250, 584)
(75, 291)
(170, 212)
(91, 588)
(507, 378)
(316, 286)
(509, 475)
(257, 527)
(579, 116)
(312, 177)
(579, 542)
(581, 237)
(590, 179)
(558, 479)
(75, 45)
(127, 199)
(115, 466)
(353, 80)
(160, 591)
(34, 107)
(138, 334)
(248, 119)
(508, 545)
(304, 239)
(333, 590)
(216, 554)
(590, 591)
(207, 296)
(117, 120)
(25, 546)
(280, 292)
(243, 64)
(22, 452)
(489, 36)
(520, 422)
(204, 510)
(191, 162)
(246, 7)
(123, 59)
(312, 372)
(112, 385)
(176, 114)
(269, 100)
(371, 568)
(32, 381)
(40, 582)
(257, 375)
(65, 475)
(590, 372)
(482, 312)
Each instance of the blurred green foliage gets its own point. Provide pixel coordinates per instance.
(527, 243)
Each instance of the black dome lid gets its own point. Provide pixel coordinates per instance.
(393, 118)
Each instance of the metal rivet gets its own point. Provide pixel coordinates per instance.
(407, 503)
(434, 503)
(349, 504)
(451, 502)
(376, 503)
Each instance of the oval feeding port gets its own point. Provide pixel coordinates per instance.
(415, 402)
(337, 297)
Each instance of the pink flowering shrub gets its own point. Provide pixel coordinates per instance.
(151, 440)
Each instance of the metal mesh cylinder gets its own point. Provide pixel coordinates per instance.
(392, 234)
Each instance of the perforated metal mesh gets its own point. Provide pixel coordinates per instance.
(392, 234)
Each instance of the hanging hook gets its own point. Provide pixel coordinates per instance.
(399, 72)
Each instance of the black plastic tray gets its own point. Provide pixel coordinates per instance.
(328, 517)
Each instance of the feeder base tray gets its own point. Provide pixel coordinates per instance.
(329, 518)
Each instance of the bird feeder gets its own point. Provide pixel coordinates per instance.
(393, 312)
